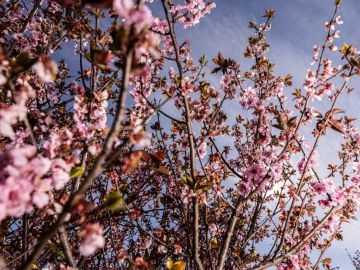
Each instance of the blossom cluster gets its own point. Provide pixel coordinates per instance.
(27, 179)
(190, 13)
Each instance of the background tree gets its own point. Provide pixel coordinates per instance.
(93, 179)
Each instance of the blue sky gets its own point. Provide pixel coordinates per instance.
(298, 26)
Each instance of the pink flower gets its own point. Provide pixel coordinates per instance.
(225, 81)
(202, 150)
(213, 229)
(355, 179)
(122, 255)
(329, 184)
(329, 26)
(254, 174)
(93, 239)
(192, 11)
(319, 188)
(187, 195)
(122, 7)
(338, 196)
(356, 167)
(308, 164)
(244, 188)
(177, 248)
(248, 98)
(94, 149)
(139, 17)
(338, 20)
(46, 69)
(140, 138)
(294, 260)
(10, 115)
(276, 172)
(324, 203)
(333, 48)
(16, 194)
(40, 199)
(26, 179)
(283, 266)
(332, 224)
(60, 173)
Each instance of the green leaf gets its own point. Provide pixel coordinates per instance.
(188, 181)
(345, 50)
(114, 201)
(62, 254)
(203, 60)
(77, 171)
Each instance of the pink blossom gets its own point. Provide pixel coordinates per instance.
(10, 115)
(338, 196)
(319, 188)
(190, 13)
(305, 164)
(122, 7)
(316, 54)
(122, 255)
(187, 195)
(177, 248)
(93, 239)
(244, 188)
(248, 98)
(294, 260)
(329, 184)
(254, 173)
(46, 69)
(309, 84)
(94, 149)
(333, 48)
(213, 229)
(139, 17)
(60, 173)
(276, 171)
(324, 203)
(356, 167)
(355, 179)
(332, 224)
(16, 195)
(283, 266)
(225, 81)
(57, 140)
(40, 197)
(202, 150)
(139, 137)
(329, 26)
(338, 20)
(25, 180)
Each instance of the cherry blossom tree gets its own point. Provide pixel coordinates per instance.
(120, 154)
